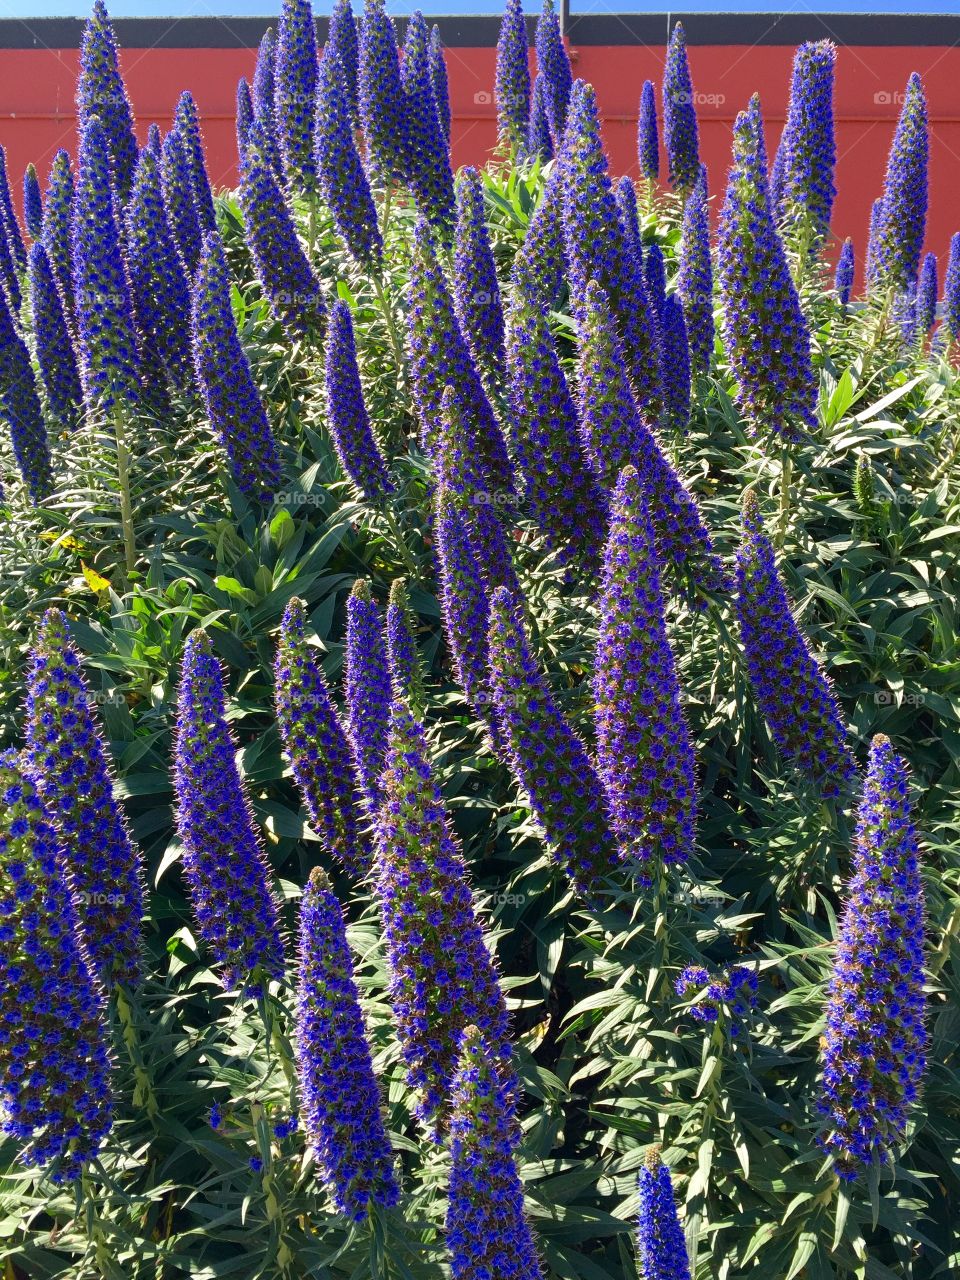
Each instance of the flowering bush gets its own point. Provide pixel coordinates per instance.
(479, 701)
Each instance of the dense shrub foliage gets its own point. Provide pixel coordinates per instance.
(479, 690)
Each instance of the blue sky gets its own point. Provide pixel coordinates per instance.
(253, 8)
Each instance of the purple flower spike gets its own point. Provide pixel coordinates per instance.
(356, 446)
(648, 143)
(224, 862)
(661, 1247)
(316, 744)
(54, 1040)
(102, 93)
(680, 130)
(902, 216)
(794, 695)
(765, 333)
(487, 1230)
(285, 274)
(342, 179)
(20, 409)
(875, 1041)
(70, 767)
(295, 93)
(546, 757)
(442, 977)
(342, 1107)
(367, 689)
(644, 749)
(512, 83)
(553, 63)
(234, 408)
(695, 277)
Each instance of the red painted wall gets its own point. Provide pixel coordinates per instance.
(37, 110)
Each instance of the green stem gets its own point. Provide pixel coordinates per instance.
(390, 321)
(786, 477)
(126, 503)
(406, 555)
(143, 1095)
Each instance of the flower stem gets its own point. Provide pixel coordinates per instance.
(123, 480)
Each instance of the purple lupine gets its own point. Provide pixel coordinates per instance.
(597, 249)
(342, 49)
(765, 334)
(428, 160)
(553, 63)
(440, 82)
(353, 440)
(951, 292)
(644, 750)
(441, 975)
(32, 203)
(465, 607)
(366, 684)
(695, 277)
(224, 862)
(559, 488)
(69, 765)
(538, 140)
(109, 359)
(295, 93)
(244, 114)
(680, 130)
(843, 280)
(233, 405)
(625, 195)
(476, 293)
(9, 226)
(674, 365)
(801, 185)
(155, 141)
(186, 121)
(263, 88)
(614, 436)
(383, 112)
(487, 1233)
(873, 253)
(57, 224)
(54, 1041)
(541, 261)
(343, 182)
(102, 93)
(406, 669)
(316, 745)
(902, 218)
(875, 1041)
(283, 269)
(512, 78)
(648, 143)
(546, 757)
(181, 208)
(794, 694)
(661, 1247)
(467, 487)
(342, 1106)
(56, 357)
(925, 305)
(20, 409)
(158, 283)
(655, 277)
(431, 328)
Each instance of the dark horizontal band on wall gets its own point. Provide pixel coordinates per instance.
(481, 31)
